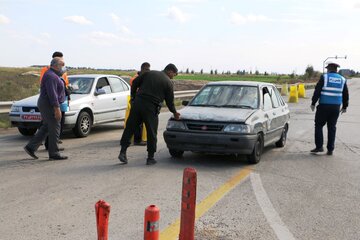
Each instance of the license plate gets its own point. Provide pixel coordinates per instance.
(31, 117)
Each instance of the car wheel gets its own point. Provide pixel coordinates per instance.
(282, 141)
(176, 153)
(27, 131)
(83, 125)
(255, 156)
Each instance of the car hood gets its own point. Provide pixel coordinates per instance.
(28, 102)
(215, 114)
(32, 101)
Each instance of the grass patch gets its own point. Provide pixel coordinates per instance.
(213, 77)
(4, 121)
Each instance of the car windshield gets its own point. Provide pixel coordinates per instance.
(81, 85)
(230, 96)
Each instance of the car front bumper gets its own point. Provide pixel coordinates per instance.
(210, 142)
(17, 120)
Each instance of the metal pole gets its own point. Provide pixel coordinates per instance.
(336, 57)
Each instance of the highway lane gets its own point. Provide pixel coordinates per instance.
(289, 193)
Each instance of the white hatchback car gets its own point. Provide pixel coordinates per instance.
(95, 99)
(230, 117)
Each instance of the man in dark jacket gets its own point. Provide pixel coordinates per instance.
(52, 94)
(332, 92)
(148, 91)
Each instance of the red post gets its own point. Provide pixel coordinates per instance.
(151, 223)
(188, 205)
(102, 211)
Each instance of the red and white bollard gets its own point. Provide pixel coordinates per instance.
(151, 223)
(102, 211)
(188, 205)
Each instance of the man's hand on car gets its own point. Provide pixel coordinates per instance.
(343, 110)
(177, 115)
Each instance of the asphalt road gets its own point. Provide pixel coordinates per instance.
(290, 194)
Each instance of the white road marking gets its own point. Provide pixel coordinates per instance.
(273, 218)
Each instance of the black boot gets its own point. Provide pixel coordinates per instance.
(150, 160)
(122, 156)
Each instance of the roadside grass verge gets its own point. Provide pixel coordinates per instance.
(4, 120)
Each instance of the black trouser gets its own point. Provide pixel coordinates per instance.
(326, 114)
(62, 122)
(146, 112)
(50, 128)
(138, 133)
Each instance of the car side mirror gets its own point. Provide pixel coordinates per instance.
(185, 103)
(99, 92)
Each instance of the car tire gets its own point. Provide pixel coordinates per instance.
(282, 141)
(27, 131)
(255, 156)
(176, 153)
(83, 125)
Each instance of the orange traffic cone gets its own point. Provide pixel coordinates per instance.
(188, 205)
(102, 211)
(151, 223)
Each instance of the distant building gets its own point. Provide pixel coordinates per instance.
(347, 72)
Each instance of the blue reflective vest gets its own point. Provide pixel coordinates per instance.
(331, 92)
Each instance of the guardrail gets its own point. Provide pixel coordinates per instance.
(5, 106)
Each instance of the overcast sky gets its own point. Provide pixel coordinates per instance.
(280, 36)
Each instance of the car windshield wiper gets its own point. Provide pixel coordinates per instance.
(205, 105)
(237, 106)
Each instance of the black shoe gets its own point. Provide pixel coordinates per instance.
(150, 161)
(60, 142)
(58, 157)
(141, 143)
(122, 157)
(329, 153)
(30, 152)
(317, 150)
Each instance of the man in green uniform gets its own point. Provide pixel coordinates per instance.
(148, 91)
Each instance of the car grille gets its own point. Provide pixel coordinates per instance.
(205, 127)
(28, 109)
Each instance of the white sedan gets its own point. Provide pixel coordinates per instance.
(95, 99)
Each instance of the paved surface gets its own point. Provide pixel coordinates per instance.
(290, 194)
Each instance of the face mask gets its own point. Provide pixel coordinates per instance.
(62, 71)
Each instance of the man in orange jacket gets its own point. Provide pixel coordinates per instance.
(145, 67)
(44, 69)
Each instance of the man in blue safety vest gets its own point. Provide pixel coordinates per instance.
(332, 92)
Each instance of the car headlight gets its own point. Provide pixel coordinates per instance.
(179, 125)
(15, 108)
(237, 128)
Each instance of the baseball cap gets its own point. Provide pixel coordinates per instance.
(332, 64)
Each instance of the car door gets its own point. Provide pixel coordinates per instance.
(120, 91)
(269, 116)
(104, 104)
(278, 113)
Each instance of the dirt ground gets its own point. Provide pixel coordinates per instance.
(182, 85)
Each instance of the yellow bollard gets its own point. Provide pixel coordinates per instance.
(127, 112)
(144, 134)
(293, 96)
(285, 89)
(302, 93)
